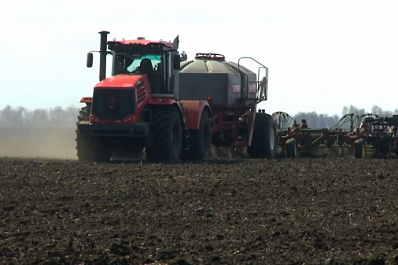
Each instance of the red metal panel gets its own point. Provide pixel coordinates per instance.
(161, 101)
(193, 111)
(121, 81)
(87, 100)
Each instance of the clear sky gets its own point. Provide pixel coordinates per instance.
(321, 55)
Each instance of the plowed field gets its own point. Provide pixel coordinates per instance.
(233, 211)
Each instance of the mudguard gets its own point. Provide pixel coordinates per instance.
(193, 112)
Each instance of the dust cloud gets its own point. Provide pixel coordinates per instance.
(43, 142)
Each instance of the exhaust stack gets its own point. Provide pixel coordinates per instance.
(104, 40)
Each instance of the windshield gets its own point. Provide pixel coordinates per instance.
(133, 64)
(142, 64)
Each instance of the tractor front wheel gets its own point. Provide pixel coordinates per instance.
(291, 148)
(92, 150)
(167, 132)
(88, 148)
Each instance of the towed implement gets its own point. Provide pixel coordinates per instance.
(365, 134)
(360, 135)
(156, 101)
(294, 138)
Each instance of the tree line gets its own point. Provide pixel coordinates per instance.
(59, 117)
(53, 117)
(317, 121)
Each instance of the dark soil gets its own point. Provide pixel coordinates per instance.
(303, 211)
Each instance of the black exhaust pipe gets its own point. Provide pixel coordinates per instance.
(102, 70)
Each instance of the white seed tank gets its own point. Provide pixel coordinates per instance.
(210, 77)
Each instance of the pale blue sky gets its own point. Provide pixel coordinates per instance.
(321, 55)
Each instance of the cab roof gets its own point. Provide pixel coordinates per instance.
(140, 45)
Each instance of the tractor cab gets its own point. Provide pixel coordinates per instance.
(159, 61)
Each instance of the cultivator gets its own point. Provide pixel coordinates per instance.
(362, 135)
(296, 138)
(366, 134)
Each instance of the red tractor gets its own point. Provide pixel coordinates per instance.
(174, 111)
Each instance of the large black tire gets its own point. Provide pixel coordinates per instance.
(83, 147)
(264, 139)
(200, 140)
(84, 114)
(167, 131)
(84, 152)
(360, 148)
(396, 149)
(291, 148)
(89, 149)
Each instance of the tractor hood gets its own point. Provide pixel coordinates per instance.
(121, 81)
(119, 98)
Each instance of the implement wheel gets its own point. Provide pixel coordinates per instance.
(360, 148)
(200, 140)
(291, 148)
(264, 137)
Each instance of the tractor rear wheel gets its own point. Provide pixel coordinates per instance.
(264, 137)
(360, 148)
(167, 129)
(200, 140)
(84, 114)
(291, 148)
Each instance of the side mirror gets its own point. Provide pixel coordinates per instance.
(176, 61)
(89, 59)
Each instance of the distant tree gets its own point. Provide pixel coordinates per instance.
(56, 115)
(37, 118)
(319, 121)
(352, 109)
(326, 121)
(375, 110)
(12, 117)
(61, 117)
(379, 111)
(309, 117)
(316, 121)
(72, 114)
